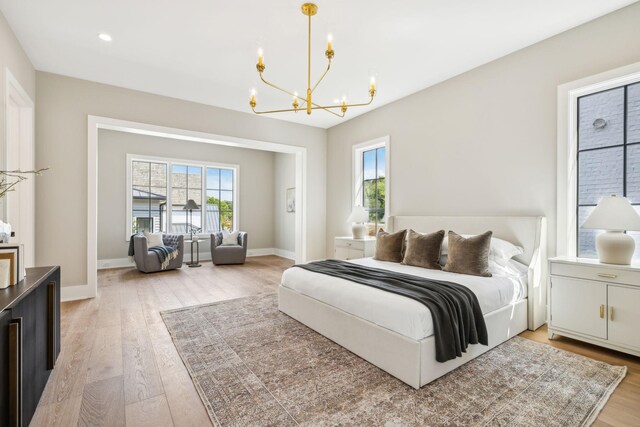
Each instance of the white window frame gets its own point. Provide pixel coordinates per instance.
(182, 162)
(357, 178)
(567, 148)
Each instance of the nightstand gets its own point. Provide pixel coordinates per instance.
(350, 248)
(594, 302)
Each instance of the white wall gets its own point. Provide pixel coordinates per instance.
(484, 142)
(285, 177)
(61, 142)
(256, 185)
(13, 58)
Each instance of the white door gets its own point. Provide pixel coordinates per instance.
(624, 316)
(579, 306)
(20, 204)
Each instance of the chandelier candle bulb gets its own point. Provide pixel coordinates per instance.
(260, 57)
(329, 42)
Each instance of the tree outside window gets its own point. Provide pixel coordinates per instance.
(373, 185)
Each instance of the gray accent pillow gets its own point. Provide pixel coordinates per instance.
(423, 250)
(470, 255)
(389, 246)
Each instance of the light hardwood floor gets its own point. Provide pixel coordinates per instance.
(118, 365)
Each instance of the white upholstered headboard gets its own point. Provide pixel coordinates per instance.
(530, 232)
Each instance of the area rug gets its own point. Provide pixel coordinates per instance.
(253, 365)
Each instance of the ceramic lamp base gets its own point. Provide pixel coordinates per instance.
(359, 231)
(615, 247)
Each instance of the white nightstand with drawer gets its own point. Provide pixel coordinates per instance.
(594, 302)
(350, 248)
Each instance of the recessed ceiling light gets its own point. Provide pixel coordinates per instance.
(104, 37)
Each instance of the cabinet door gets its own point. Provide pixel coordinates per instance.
(341, 252)
(5, 318)
(356, 253)
(579, 306)
(624, 316)
(27, 311)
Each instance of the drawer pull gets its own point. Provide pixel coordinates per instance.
(608, 275)
(602, 311)
(51, 323)
(611, 313)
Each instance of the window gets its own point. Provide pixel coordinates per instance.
(371, 181)
(219, 198)
(608, 129)
(155, 184)
(186, 184)
(148, 196)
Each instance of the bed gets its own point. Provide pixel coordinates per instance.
(395, 333)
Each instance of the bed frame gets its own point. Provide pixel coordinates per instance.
(412, 361)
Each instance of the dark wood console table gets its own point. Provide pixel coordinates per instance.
(29, 342)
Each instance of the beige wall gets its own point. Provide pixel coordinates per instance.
(61, 134)
(484, 142)
(13, 58)
(256, 185)
(285, 222)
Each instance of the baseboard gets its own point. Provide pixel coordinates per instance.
(77, 292)
(261, 252)
(285, 254)
(105, 264)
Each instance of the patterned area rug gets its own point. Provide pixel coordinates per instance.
(253, 365)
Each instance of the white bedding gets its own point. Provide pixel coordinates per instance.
(395, 312)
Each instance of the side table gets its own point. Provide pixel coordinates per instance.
(197, 241)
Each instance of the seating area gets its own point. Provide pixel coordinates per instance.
(222, 252)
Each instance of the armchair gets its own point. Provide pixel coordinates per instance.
(228, 254)
(148, 262)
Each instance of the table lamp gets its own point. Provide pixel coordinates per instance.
(615, 215)
(359, 216)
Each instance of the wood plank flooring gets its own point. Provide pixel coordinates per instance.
(118, 365)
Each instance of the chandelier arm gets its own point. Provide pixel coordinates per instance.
(322, 77)
(328, 107)
(296, 110)
(278, 87)
(274, 111)
(361, 104)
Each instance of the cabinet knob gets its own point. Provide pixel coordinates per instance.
(602, 311)
(608, 275)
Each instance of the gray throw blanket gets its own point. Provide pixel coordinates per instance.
(166, 253)
(456, 313)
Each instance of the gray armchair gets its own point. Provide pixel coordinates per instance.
(228, 254)
(148, 262)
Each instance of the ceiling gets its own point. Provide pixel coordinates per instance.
(205, 50)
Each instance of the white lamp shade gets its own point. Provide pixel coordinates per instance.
(614, 214)
(358, 214)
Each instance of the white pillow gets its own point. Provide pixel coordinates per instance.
(500, 249)
(154, 239)
(229, 238)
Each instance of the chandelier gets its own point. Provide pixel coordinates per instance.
(306, 103)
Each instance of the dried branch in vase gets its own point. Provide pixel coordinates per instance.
(9, 179)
